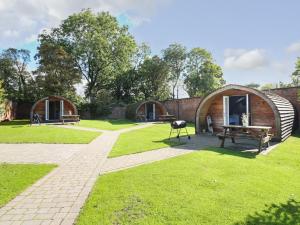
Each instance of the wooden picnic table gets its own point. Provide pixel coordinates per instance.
(167, 118)
(75, 118)
(261, 133)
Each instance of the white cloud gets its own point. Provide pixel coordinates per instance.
(294, 48)
(243, 59)
(20, 20)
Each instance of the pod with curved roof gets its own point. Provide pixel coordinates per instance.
(227, 105)
(149, 110)
(52, 108)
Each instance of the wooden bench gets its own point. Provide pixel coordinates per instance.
(73, 118)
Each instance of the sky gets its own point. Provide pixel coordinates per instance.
(253, 41)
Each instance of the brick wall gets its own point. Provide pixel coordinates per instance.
(293, 95)
(117, 112)
(184, 109)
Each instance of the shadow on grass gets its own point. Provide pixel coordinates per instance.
(175, 143)
(281, 214)
(15, 123)
(224, 151)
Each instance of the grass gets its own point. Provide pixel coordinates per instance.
(145, 139)
(16, 178)
(213, 186)
(107, 124)
(20, 131)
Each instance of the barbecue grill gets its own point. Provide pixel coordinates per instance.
(176, 127)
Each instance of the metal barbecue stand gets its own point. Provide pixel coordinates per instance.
(176, 127)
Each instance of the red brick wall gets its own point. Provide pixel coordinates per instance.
(293, 95)
(183, 109)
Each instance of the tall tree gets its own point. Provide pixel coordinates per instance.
(2, 99)
(202, 75)
(153, 79)
(126, 85)
(175, 56)
(296, 74)
(14, 73)
(57, 73)
(99, 46)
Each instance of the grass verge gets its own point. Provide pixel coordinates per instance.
(15, 178)
(212, 186)
(146, 139)
(107, 124)
(20, 131)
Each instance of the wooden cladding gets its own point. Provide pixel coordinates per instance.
(286, 115)
(266, 109)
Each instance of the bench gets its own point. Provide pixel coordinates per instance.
(167, 118)
(73, 118)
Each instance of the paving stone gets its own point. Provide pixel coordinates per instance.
(57, 198)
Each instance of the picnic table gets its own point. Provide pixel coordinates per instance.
(260, 133)
(74, 118)
(167, 118)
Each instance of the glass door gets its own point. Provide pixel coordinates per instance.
(234, 107)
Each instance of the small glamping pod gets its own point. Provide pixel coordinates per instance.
(53, 109)
(146, 111)
(226, 106)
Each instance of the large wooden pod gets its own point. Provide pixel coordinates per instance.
(227, 104)
(52, 108)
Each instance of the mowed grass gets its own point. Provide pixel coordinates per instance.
(15, 178)
(212, 186)
(116, 124)
(20, 131)
(146, 139)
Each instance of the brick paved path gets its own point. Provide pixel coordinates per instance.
(57, 198)
(38, 153)
(132, 160)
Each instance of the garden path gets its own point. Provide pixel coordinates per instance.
(57, 198)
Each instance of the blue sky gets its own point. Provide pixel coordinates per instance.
(253, 41)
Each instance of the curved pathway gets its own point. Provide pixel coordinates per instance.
(57, 198)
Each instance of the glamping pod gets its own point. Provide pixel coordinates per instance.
(146, 111)
(226, 106)
(53, 109)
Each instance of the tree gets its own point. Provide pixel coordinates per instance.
(100, 48)
(14, 73)
(126, 85)
(2, 99)
(296, 74)
(202, 75)
(175, 56)
(267, 86)
(153, 79)
(253, 85)
(57, 73)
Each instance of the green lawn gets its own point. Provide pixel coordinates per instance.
(16, 178)
(107, 124)
(146, 139)
(213, 186)
(21, 132)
